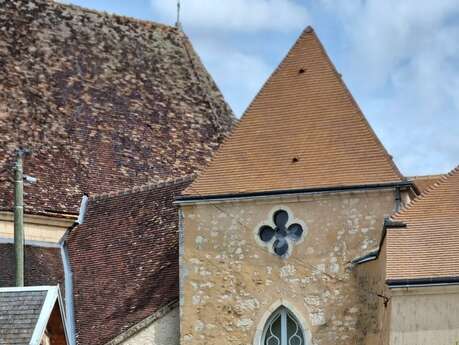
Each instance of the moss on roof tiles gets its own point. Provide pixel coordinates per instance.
(104, 102)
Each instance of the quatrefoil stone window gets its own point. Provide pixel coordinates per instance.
(282, 234)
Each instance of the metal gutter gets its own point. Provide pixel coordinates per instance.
(68, 286)
(83, 207)
(422, 282)
(374, 255)
(68, 275)
(370, 256)
(32, 243)
(220, 197)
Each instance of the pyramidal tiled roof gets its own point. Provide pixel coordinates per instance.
(429, 245)
(303, 130)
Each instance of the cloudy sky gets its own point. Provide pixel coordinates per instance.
(400, 59)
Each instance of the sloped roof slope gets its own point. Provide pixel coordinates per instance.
(429, 245)
(423, 182)
(104, 102)
(42, 266)
(27, 313)
(127, 251)
(19, 313)
(303, 130)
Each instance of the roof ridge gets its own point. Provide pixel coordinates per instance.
(109, 14)
(387, 155)
(145, 187)
(441, 180)
(268, 81)
(263, 87)
(206, 82)
(425, 177)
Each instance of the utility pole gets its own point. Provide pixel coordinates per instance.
(19, 214)
(19, 218)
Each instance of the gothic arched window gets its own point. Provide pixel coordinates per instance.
(283, 328)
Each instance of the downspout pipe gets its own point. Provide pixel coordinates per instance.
(68, 275)
(398, 199)
(68, 286)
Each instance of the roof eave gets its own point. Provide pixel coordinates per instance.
(185, 199)
(419, 282)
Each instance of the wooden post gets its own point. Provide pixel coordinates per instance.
(19, 220)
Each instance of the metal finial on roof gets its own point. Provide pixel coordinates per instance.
(177, 23)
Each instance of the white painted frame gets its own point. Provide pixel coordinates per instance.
(283, 313)
(53, 296)
(271, 311)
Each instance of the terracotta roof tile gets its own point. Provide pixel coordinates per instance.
(42, 266)
(429, 246)
(127, 251)
(105, 102)
(303, 130)
(423, 182)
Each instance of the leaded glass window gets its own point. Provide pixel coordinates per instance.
(283, 328)
(281, 235)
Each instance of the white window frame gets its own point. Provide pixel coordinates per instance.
(283, 312)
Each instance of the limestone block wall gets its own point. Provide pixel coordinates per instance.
(231, 281)
(376, 297)
(425, 316)
(164, 331)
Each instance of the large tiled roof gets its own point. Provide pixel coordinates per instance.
(125, 260)
(303, 130)
(19, 313)
(104, 102)
(42, 266)
(429, 245)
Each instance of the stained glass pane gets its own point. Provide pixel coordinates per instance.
(273, 333)
(294, 333)
(266, 233)
(280, 246)
(295, 231)
(280, 218)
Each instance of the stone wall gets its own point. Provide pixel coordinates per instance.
(231, 281)
(425, 316)
(375, 319)
(164, 331)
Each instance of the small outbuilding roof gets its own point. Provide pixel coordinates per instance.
(25, 313)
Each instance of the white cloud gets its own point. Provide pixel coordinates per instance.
(235, 15)
(400, 59)
(238, 74)
(406, 54)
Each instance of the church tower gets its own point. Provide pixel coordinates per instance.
(270, 229)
